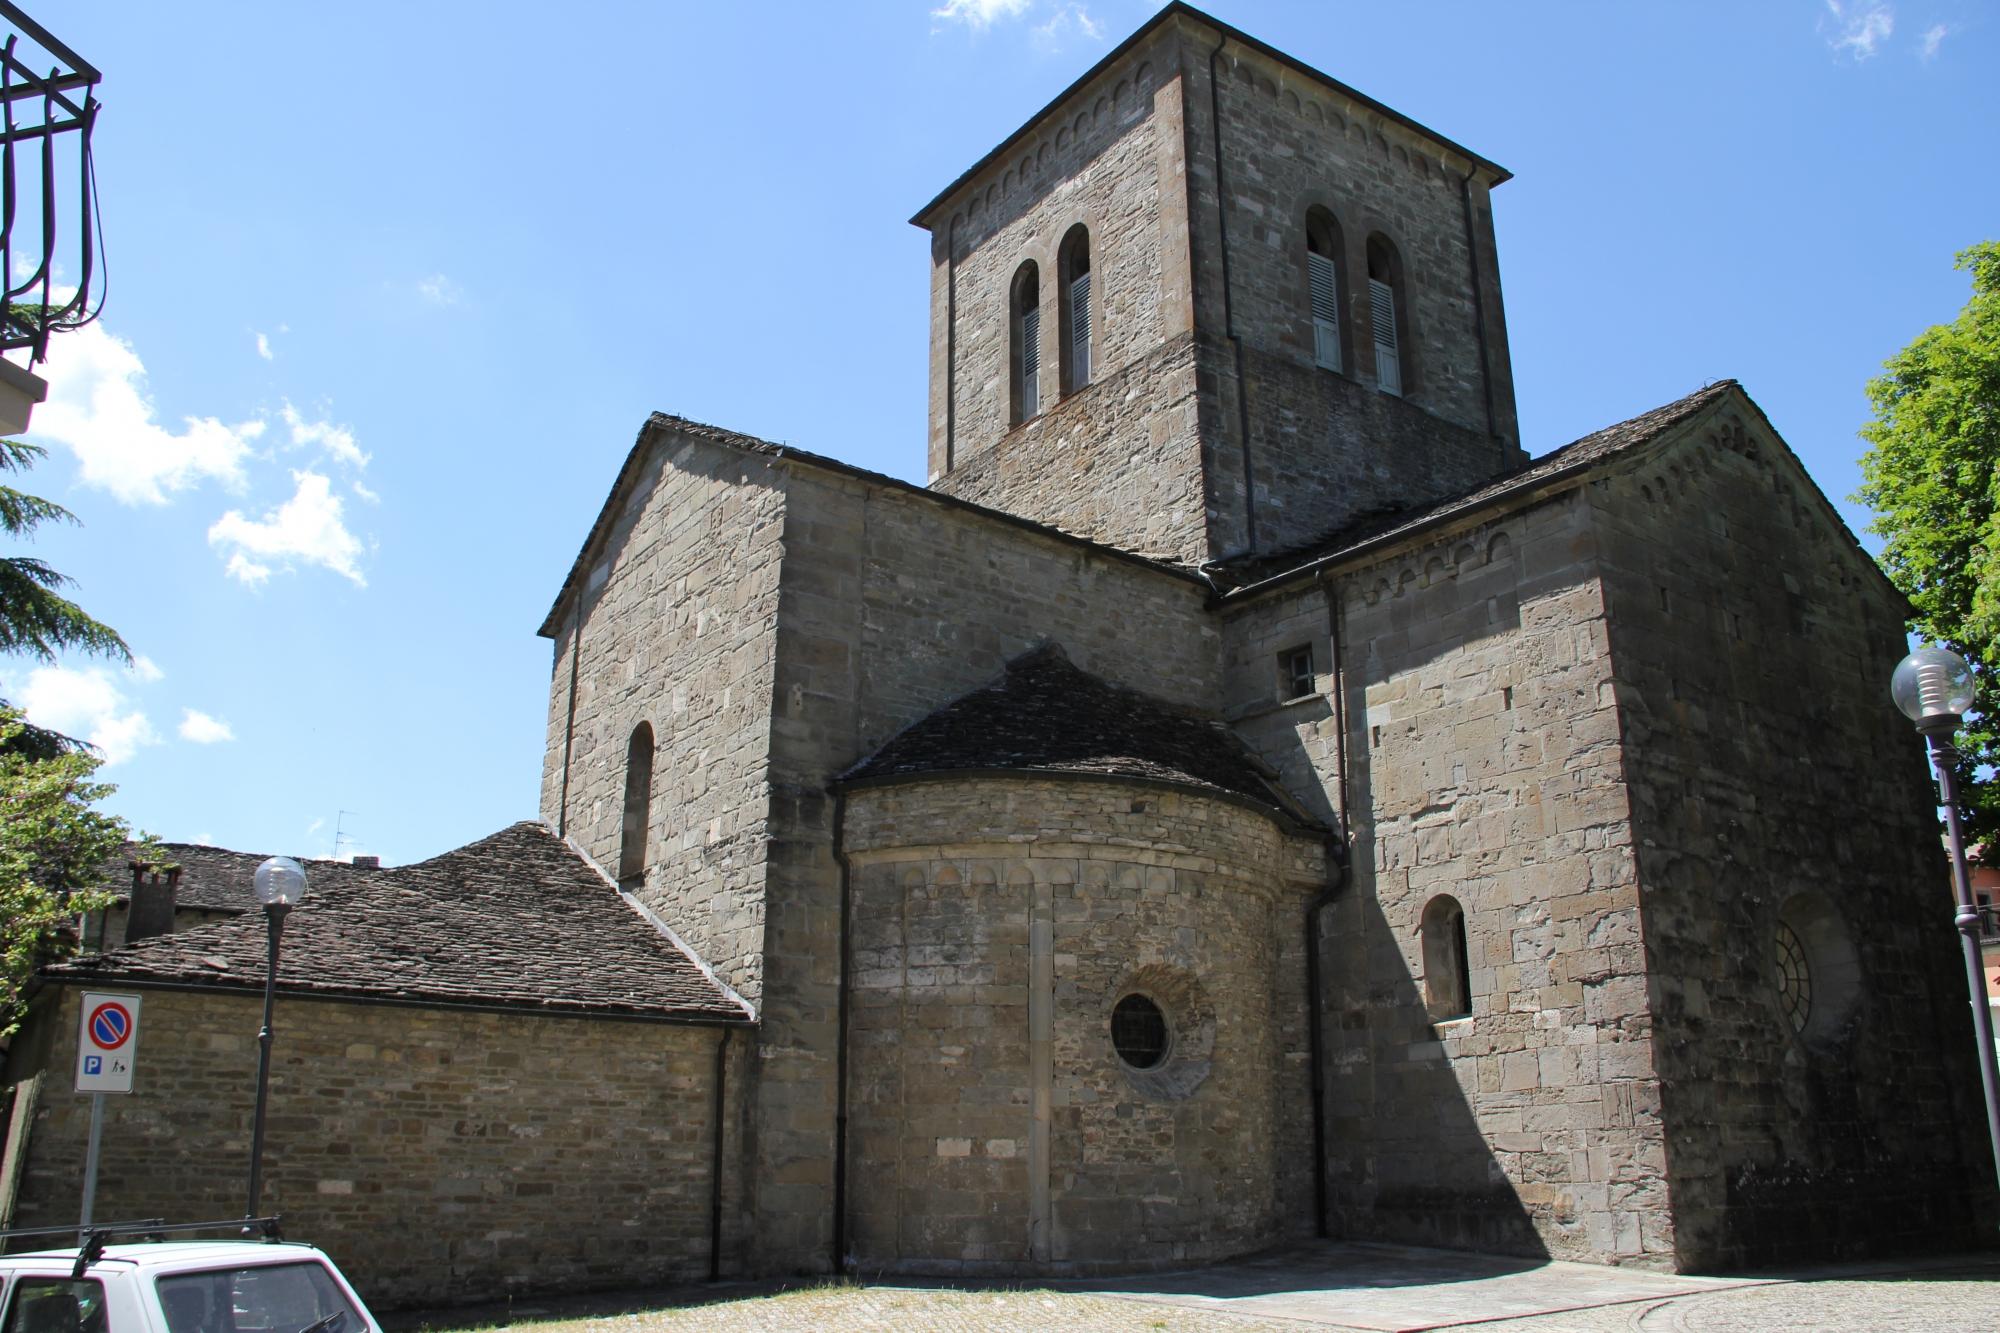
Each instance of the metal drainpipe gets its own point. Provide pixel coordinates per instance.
(569, 719)
(1228, 308)
(715, 1166)
(1337, 876)
(951, 342)
(1478, 308)
(840, 1042)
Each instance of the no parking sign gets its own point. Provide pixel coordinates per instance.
(108, 1045)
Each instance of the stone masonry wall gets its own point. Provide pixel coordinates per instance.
(1117, 460)
(438, 1156)
(994, 1128)
(679, 619)
(1483, 763)
(1320, 453)
(891, 605)
(1771, 779)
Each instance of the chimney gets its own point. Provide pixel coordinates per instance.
(151, 911)
(367, 863)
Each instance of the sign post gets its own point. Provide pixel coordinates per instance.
(107, 1048)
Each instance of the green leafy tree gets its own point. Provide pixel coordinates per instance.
(54, 845)
(1930, 474)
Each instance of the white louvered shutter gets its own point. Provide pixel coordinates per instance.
(1388, 361)
(1326, 310)
(1031, 362)
(1079, 330)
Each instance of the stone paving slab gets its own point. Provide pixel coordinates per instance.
(1399, 1288)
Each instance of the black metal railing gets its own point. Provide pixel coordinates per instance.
(1989, 923)
(45, 125)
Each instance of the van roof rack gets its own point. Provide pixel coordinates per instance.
(92, 1237)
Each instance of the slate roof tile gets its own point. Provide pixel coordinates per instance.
(517, 920)
(1045, 715)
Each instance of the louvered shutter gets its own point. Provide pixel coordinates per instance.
(1079, 331)
(1388, 361)
(1325, 310)
(1031, 362)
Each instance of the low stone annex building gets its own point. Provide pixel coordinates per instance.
(1243, 795)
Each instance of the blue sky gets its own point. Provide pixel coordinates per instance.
(394, 286)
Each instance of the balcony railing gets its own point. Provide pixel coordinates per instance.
(51, 246)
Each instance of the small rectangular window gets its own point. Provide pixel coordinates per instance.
(1031, 363)
(1325, 311)
(1388, 358)
(1295, 673)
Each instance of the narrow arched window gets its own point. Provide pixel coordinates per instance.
(638, 808)
(1073, 275)
(1447, 978)
(1323, 287)
(1388, 315)
(1025, 337)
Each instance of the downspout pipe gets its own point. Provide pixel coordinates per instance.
(715, 1164)
(1228, 307)
(1337, 874)
(569, 720)
(839, 1256)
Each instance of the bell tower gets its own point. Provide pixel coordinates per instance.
(1211, 302)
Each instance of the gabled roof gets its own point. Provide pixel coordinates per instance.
(1578, 456)
(517, 920)
(213, 879)
(1045, 715)
(1167, 14)
(662, 422)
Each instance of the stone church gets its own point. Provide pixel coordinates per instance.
(1246, 795)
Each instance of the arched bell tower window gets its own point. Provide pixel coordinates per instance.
(1388, 316)
(1324, 288)
(1073, 278)
(1025, 351)
(1447, 979)
(638, 808)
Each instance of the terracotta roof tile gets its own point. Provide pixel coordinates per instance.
(517, 919)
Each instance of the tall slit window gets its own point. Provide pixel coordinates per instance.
(1323, 287)
(1027, 342)
(1386, 314)
(638, 808)
(1073, 273)
(1447, 978)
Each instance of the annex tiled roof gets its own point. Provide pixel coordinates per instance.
(517, 920)
(1045, 715)
(213, 879)
(1572, 457)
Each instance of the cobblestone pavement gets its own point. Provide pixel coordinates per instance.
(1961, 1296)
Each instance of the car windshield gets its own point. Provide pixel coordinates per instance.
(270, 1298)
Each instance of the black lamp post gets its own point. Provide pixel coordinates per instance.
(280, 882)
(1933, 687)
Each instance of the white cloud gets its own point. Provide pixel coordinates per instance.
(1859, 28)
(264, 347)
(1934, 38)
(202, 729)
(336, 440)
(439, 290)
(145, 669)
(315, 827)
(1067, 21)
(980, 14)
(85, 702)
(364, 493)
(98, 409)
(306, 528)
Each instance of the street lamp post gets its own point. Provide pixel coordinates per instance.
(280, 882)
(1933, 687)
